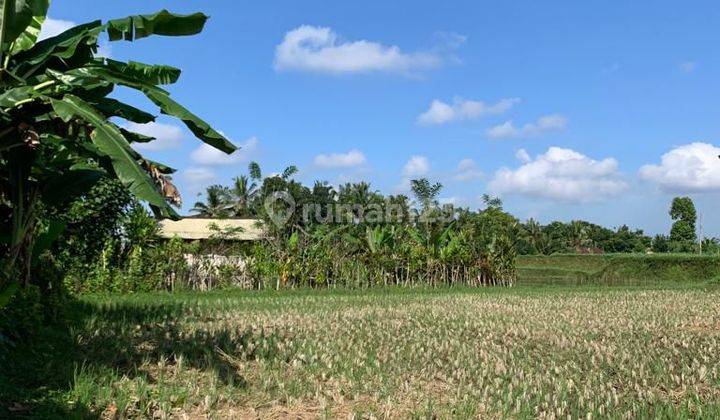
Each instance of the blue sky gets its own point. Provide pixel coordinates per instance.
(565, 109)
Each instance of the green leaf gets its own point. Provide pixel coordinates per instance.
(12, 96)
(148, 73)
(199, 128)
(161, 98)
(114, 108)
(164, 169)
(110, 141)
(8, 292)
(30, 34)
(161, 23)
(133, 137)
(15, 18)
(45, 240)
(75, 46)
(72, 184)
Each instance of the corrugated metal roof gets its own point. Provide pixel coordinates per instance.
(192, 228)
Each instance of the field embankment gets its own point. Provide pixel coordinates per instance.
(617, 269)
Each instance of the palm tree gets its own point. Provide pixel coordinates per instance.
(578, 235)
(534, 235)
(242, 191)
(217, 204)
(425, 192)
(58, 131)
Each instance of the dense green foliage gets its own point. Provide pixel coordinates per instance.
(682, 233)
(354, 236)
(61, 133)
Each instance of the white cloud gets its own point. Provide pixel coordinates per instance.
(416, 166)
(340, 160)
(561, 174)
(455, 201)
(167, 136)
(467, 170)
(688, 66)
(208, 155)
(463, 109)
(196, 179)
(523, 155)
(318, 49)
(52, 27)
(691, 167)
(544, 124)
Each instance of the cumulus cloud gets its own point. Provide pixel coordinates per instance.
(319, 49)
(467, 170)
(523, 156)
(197, 179)
(167, 136)
(561, 174)
(545, 124)
(416, 166)
(691, 167)
(463, 109)
(210, 156)
(52, 27)
(340, 160)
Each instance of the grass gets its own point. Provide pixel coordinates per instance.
(617, 269)
(520, 352)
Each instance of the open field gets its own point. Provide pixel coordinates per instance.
(617, 269)
(548, 352)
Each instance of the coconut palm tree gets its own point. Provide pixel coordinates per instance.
(217, 203)
(535, 236)
(242, 192)
(578, 235)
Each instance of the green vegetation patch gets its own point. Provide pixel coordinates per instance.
(617, 269)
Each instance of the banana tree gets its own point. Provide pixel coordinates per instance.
(61, 131)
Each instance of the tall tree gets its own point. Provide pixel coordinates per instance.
(425, 192)
(682, 233)
(217, 204)
(58, 132)
(243, 190)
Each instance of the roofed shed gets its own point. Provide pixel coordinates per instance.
(195, 228)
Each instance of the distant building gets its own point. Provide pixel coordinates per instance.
(191, 228)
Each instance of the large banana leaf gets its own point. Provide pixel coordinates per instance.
(76, 45)
(114, 108)
(161, 23)
(199, 128)
(28, 37)
(161, 98)
(148, 73)
(16, 16)
(112, 143)
(133, 137)
(68, 186)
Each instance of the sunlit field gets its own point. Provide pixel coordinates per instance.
(512, 352)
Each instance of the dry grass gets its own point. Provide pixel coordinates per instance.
(466, 353)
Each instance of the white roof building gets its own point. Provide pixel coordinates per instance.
(230, 229)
